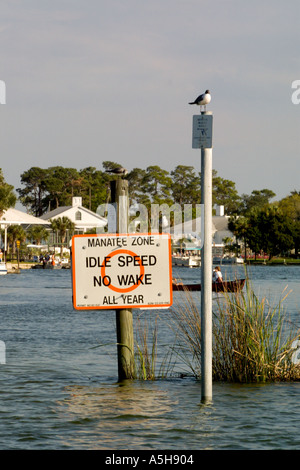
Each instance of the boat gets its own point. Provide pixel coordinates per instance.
(3, 268)
(225, 286)
(187, 261)
(46, 266)
(230, 260)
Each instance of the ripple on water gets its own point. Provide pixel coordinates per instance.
(59, 386)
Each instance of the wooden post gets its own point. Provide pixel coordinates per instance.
(124, 322)
(18, 253)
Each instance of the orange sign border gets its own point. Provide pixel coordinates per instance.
(125, 306)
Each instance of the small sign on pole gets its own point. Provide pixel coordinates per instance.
(202, 131)
(111, 271)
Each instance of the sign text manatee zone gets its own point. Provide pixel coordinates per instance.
(112, 271)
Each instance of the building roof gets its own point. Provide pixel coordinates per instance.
(82, 217)
(193, 228)
(14, 217)
(220, 222)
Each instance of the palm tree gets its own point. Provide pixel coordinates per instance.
(14, 233)
(37, 233)
(61, 225)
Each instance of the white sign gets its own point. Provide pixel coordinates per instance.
(112, 271)
(202, 131)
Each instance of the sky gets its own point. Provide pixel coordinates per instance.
(95, 80)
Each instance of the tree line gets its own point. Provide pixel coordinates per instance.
(262, 225)
(45, 189)
(270, 228)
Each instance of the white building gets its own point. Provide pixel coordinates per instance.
(192, 229)
(12, 216)
(83, 218)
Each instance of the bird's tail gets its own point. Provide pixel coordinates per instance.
(192, 102)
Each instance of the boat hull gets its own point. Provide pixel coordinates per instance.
(226, 286)
(3, 268)
(188, 261)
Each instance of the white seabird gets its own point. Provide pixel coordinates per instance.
(203, 100)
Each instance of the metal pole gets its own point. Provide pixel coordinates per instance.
(206, 275)
(124, 321)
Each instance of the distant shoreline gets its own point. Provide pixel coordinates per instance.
(13, 266)
(274, 262)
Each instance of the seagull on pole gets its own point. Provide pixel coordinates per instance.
(202, 100)
(118, 171)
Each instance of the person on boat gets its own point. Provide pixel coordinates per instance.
(217, 275)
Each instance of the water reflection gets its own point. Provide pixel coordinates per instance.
(117, 412)
(150, 415)
(122, 400)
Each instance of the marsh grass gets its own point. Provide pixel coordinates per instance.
(185, 321)
(145, 356)
(252, 340)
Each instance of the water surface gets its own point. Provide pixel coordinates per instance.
(59, 388)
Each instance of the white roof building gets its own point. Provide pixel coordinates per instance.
(12, 216)
(192, 229)
(83, 218)
(220, 229)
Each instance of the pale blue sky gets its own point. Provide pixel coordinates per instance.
(94, 80)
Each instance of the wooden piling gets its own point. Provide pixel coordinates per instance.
(124, 321)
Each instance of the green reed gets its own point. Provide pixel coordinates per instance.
(145, 356)
(252, 340)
